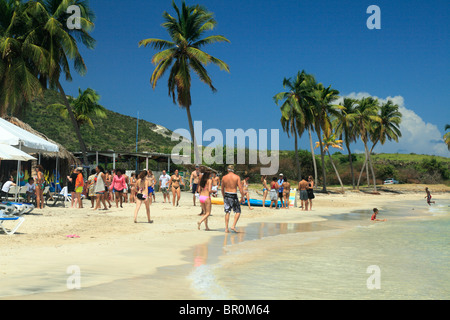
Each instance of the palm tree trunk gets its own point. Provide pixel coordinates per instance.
(337, 172)
(367, 165)
(297, 160)
(194, 140)
(74, 122)
(322, 155)
(313, 156)
(350, 160)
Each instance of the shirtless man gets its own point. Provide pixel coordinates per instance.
(302, 187)
(194, 180)
(230, 183)
(215, 184)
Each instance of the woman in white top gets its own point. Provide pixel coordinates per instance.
(100, 187)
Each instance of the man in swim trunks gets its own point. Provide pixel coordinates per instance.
(302, 188)
(194, 180)
(230, 183)
(280, 190)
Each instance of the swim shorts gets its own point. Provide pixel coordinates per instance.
(303, 195)
(164, 190)
(194, 188)
(231, 202)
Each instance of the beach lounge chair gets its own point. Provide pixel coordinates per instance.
(7, 218)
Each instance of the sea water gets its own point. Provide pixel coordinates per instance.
(346, 257)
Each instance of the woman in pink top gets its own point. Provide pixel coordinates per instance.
(118, 184)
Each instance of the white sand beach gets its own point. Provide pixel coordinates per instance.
(37, 261)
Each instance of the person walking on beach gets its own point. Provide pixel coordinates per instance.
(142, 195)
(286, 192)
(175, 183)
(193, 181)
(230, 183)
(428, 197)
(302, 187)
(132, 187)
(164, 185)
(100, 187)
(205, 189)
(118, 185)
(265, 190)
(40, 183)
(151, 185)
(374, 216)
(310, 191)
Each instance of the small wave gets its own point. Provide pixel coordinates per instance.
(205, 283)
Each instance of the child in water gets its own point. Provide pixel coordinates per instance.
(374, 215)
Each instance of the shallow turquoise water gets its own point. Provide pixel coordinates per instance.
(349, 257)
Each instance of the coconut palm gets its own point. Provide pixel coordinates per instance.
(447, 136)
(183, 53)
(330, 141)
(322, 108)
(52, 33)
(85, 107)
(366, 114)
(19, 59)
(294, 113)
(344, 126)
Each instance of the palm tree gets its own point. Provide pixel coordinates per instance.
(365, 116)
(293, 111)
(447, 136)
(344, 126)
(52, 33)
(19, 58)
(322, 109)
(85, 107)
(329, 140)
(183, 53)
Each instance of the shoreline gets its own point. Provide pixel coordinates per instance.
(113, 252)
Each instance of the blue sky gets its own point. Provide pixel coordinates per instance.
(407, 59)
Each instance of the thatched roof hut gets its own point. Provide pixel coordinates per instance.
(63, 152)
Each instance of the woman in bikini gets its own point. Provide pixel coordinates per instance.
(132, 187)
(310, 191)
(246, 195)
(286, 192)
(205, 198)
(175, 183)
(142, 195)
(40, 187)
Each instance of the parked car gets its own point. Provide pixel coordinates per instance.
(390, 181)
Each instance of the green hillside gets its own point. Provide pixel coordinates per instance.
(116, 132)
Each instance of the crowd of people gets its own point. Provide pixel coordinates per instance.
(104, 187)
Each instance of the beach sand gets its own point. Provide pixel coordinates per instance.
(119, 259)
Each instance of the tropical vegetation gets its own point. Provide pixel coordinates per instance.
(36, 47)
(183, 53)
(310, 105)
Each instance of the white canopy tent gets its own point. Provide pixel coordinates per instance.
(24, 141)
(8, 152)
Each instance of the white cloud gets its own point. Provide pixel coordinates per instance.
(417, 135)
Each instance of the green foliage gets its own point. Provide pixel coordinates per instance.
(115, 132)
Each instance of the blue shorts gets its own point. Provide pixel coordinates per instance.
(150, 190)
